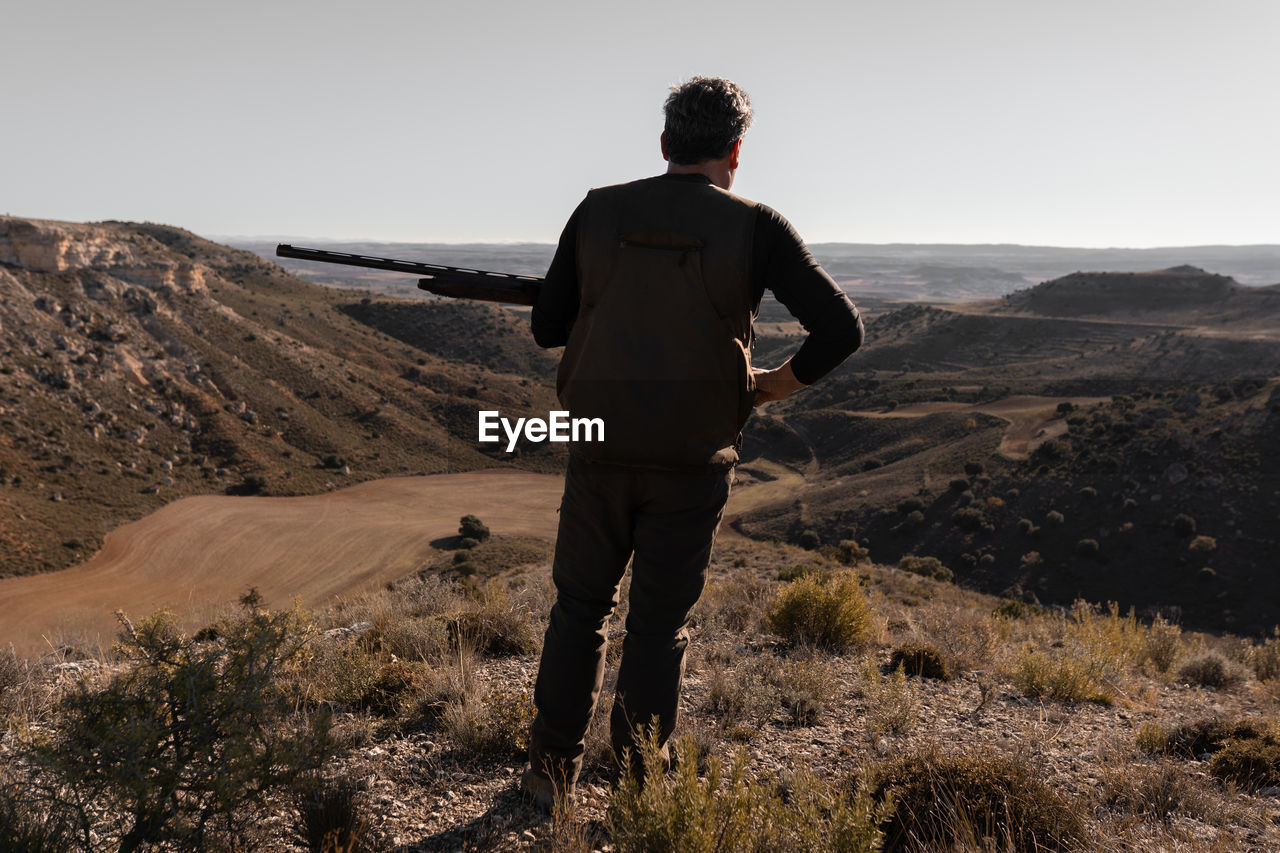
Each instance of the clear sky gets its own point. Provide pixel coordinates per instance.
(1084, 123)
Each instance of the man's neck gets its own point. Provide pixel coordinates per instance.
(717, 171)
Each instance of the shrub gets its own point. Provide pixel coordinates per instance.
(805, 686)
(733, 813)
(1055, 518)
(930, 567)
(329, 818)
(746, 696)
(498, 626)
(959, 485)
(1210, 669)
(910, 505)
(1013, 608)
(968, 518)
(191, 731)
(1209, 734)
(831, 612)
(1151, 738)
(1087, 548)
(1203, 544)
(799, 570)
(1026, 526)
(471, 527)
(808, 540)
(1184, 525)
(495, 725)
(1251, 761)
(1088, 493)
(1071, 676)
(894, 706)
(920, 660)
(965, 800)
(973, 468)
(1163, 639)
(467, 543)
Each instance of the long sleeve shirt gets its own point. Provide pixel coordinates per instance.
(780, 263)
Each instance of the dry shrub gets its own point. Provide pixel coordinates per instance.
(893, 703)
(496, 724)
(1068, 676)
(806, 685)
(1151, 738)
(1265, 658)
(1163, 642)
(329, 816)
(832, 613)
(1211, 669)
(736, 605)
(920, 660)
(1158, 790)
(1117, 642)
(747, 695)
(729, 812)
(967, 800)
(498, 625)
(1251, 762)
(1208, 734)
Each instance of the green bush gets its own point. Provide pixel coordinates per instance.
(471, 527)
(190, 733)
(831, 612)
(930, 567)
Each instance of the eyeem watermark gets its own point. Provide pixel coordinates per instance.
(557, 427)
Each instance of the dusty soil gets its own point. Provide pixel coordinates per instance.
(197, 554)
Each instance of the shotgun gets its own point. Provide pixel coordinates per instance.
(455, 282)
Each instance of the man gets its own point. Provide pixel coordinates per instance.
(652, 292)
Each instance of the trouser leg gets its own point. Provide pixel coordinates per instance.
(675, 528)
(593, 546)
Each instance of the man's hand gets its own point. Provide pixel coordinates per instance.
(775, 384)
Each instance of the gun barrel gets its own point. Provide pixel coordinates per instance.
(456, 282)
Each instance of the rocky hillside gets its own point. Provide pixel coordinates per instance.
(142, 363)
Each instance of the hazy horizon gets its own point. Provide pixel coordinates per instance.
(1094, 124)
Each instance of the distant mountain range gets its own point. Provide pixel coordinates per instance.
(872, 273)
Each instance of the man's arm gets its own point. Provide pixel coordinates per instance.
(784, 265)
(557, 304)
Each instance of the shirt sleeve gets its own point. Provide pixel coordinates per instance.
(784, 265)
(557, 305)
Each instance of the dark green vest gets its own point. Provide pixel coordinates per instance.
(661, 346)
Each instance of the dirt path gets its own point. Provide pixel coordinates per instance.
(197, 554)
(1031, 419)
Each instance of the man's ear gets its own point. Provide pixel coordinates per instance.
(733, 154)
(662, 142)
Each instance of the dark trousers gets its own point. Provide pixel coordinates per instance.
(665, 523)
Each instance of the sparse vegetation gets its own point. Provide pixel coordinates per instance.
(944, 801)
(731, 812)
(831, 612)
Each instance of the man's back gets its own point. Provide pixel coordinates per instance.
(660, 348)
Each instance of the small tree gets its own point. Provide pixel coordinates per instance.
(471, 527)
(195, 732)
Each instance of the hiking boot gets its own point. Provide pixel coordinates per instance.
(540, 792)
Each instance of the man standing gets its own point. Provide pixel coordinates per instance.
(652, 292)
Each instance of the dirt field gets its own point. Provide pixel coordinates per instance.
(198, 554)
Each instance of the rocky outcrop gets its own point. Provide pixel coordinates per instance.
(43, 246)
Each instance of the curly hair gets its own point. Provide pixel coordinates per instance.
(704, 117)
